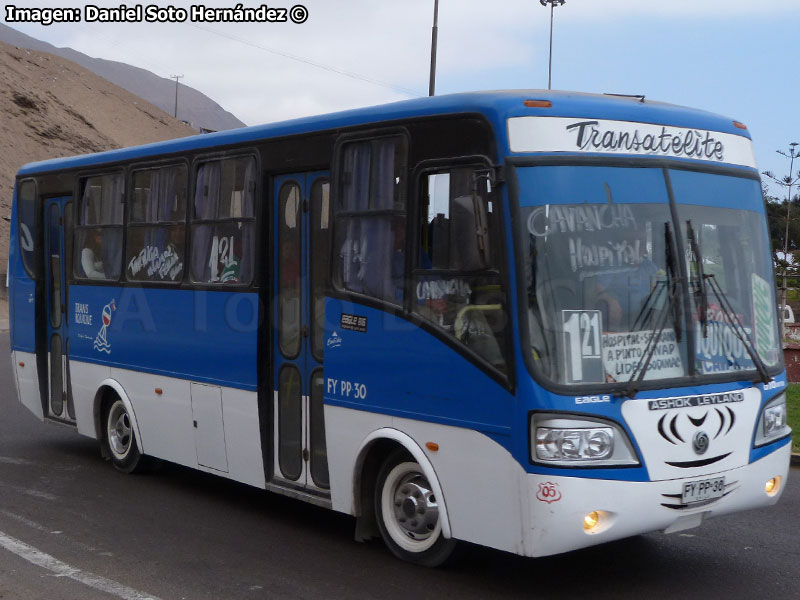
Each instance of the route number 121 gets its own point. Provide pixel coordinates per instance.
(582, 348)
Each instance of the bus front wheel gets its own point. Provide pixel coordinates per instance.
(119, 439)
(407, 512)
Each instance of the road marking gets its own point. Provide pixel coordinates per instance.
(61, 569)
(22, 519)
(38, 494)
(30, 492)
(15, 461)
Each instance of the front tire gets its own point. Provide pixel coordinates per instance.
(120, 440)
(407, 512)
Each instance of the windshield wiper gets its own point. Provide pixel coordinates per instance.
(701, 280)
(648, 306)
(725, 308)
(733, 321)
(673, 308)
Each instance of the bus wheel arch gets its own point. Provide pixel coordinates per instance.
(386, 457)
(111, 402)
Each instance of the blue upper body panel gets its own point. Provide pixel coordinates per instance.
(497, 107)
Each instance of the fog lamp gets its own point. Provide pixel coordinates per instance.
(772, 486)
(591, 520)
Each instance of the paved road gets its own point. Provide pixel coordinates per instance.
(72, 528)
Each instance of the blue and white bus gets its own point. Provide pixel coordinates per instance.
(534, 321)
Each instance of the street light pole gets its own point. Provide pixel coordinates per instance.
(787, 182)
(434, 39)
(552, 4)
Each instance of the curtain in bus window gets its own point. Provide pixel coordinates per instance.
(154, 245)
(101, 205)
(356, 170)
(102, 201)
(384, 178)
(151, 209)
(206, 205)
(112, 208)
(368, 250)
(248, 210)
(355, 197)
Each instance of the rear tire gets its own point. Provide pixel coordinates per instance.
(407, 512)
(120, 439)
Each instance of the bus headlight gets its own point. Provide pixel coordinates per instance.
(563, 440)
(574, 444)
(772, 424)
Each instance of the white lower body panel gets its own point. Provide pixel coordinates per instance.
(629, 508)
(483, 485)
(491, 500)
(166, 423)
(27, 380)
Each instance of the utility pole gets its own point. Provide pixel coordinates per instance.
(434, 39)
(552, 4)
(176, 78)
(786, 182)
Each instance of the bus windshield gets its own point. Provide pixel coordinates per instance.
(614, 274)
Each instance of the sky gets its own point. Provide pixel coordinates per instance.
(738, 58)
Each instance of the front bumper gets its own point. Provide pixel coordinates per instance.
(558, 505)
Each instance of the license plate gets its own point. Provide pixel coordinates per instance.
(706, 489)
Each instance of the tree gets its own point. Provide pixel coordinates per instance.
(776, 222)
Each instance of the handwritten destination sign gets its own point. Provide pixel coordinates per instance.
(622, 352)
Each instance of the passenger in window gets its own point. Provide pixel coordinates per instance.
(622, 295)
(91, 256)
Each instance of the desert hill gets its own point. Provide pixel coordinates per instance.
(51, 107)
(194, 106)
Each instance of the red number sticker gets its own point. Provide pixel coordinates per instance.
(548, 492)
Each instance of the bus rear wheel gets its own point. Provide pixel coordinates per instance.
(407, 512)
(119, 438)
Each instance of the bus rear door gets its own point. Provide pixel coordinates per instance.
(58, 213)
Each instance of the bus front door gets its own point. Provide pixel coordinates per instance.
(301, 262)
(58, 212)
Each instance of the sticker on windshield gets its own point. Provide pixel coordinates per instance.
(622, 353)
(764, 320)
(721, 350)
(581, 341)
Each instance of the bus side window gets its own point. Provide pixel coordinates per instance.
(26, 206)
(156, 225)
(223, 222)
(455, 290)
(370, 225)
(98, 234)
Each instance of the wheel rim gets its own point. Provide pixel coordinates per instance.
(410, 509)
(120, 435)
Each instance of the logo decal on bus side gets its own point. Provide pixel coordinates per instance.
(101, 341)
(548, 492)
(334, 341)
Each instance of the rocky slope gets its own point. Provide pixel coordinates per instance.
(194, 106)
(51, 107)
